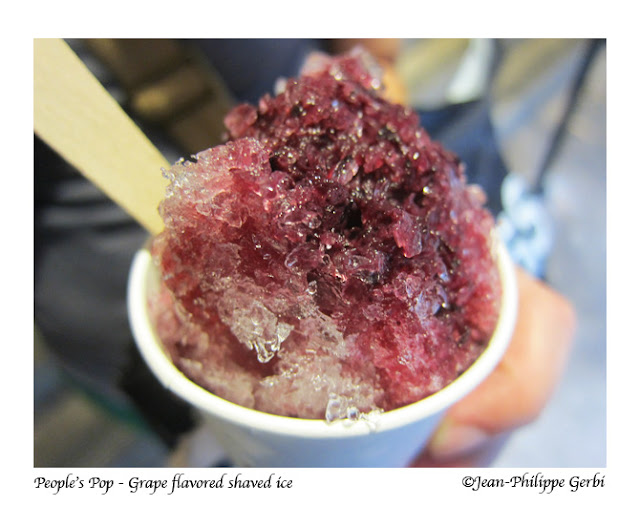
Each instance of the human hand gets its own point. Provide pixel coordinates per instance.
(386, 52)
(515, 393)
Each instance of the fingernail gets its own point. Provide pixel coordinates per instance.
(455, 440)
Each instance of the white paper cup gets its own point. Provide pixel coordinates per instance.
(255, 439)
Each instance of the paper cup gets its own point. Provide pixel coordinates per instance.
(255, 439)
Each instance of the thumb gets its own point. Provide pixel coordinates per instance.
(516, 392)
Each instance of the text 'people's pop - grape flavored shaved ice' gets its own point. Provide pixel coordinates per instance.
(329, 260)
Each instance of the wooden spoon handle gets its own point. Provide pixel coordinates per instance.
(80, 120)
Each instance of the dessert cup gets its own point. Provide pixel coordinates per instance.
(256, 439)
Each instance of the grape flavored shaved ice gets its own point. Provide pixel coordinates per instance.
(330, 259)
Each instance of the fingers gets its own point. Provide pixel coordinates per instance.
(386, 50)
(516, 392)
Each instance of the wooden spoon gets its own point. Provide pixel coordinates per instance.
(80, 120)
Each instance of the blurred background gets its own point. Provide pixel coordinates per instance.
(546, 105)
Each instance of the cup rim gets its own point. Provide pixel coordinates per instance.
(174, 380)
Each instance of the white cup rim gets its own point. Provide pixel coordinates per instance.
(175, 381)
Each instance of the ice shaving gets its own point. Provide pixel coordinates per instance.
(329, 260)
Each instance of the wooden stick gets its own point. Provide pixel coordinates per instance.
(80, 120)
